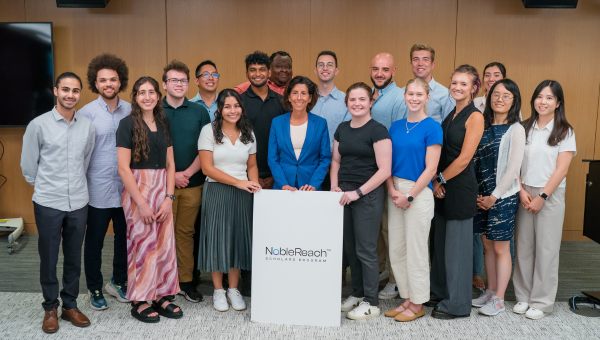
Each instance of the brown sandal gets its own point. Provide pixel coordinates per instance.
(393, 312)
(405, 318)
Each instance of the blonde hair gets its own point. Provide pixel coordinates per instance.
(423, 47)
(419, 82)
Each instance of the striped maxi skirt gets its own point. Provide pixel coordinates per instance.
(151, 253)
(226, 232)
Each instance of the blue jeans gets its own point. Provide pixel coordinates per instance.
(478, 254)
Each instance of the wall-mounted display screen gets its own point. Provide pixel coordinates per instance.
(26, 71)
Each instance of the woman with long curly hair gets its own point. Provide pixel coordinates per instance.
(227, 149)
(147, 168)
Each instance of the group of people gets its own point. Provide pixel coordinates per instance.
(417, 163)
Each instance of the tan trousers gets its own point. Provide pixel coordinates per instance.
(185, 210)
(408, 234)
(537, 244)
(383, 255)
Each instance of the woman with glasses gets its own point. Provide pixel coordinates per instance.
(497, 164)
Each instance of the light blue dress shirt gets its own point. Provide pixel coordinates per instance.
(211, 110)
(440, 102)
(104, 183)
(389, 105)
(333, 108)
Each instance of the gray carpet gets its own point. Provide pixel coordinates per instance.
(19, 284)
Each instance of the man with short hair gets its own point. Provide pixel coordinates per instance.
(280, 74)
(187, 120)
(388, 107)
(422, 62)
(262, 104)
(207, 79)
(57, 147)
(107, 76)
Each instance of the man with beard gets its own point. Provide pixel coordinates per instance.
(280, 73)
(262, 104)
(387, 108)
(107, 76)
(422, 62)
(207, 80)
(57, 147)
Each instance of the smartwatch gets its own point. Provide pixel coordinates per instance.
(409, 198)
(360, 194)
(172, 197)
(544, 196)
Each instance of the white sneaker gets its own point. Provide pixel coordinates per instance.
(521, 308)
(234, 297)
(384, 275)
(363, 311)
(493, 307)
(486, 295)
(534, 313)
(220, 301)
(350, 303)
(390, 291)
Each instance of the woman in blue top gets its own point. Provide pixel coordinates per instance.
(299, 152)
(416, 147)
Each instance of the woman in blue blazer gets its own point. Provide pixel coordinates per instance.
(299, 149)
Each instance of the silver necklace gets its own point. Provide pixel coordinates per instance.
(407, 129)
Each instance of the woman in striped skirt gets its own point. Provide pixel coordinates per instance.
(227, 151)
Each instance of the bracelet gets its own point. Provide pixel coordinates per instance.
(441, 179)
(172, 197)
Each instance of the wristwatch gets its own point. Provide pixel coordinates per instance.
(409, 198)
(360, 194)
(544, 196)
(172, 197)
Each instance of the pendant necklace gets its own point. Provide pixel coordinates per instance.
(407, 129)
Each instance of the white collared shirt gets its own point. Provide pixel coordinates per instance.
(539, 162)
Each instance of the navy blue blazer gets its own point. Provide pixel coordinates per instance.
(312, 165)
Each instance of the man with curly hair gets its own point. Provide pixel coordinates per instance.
(107, 76)
(280, 73)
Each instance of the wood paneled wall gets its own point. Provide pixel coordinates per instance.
(533, 44)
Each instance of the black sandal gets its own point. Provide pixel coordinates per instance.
(144, 315)
(167, 312)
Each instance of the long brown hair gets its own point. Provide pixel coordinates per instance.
(140, 139)
(561, 125)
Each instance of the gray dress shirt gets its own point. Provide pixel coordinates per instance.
(55, 159)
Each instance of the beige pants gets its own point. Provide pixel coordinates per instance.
(383, 254)
(408, 234)
(537, 244)
(185, 210)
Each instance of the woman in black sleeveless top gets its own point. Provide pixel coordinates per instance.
(456, 201)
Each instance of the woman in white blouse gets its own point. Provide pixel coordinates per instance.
(227, 149)
(492, 72)
(548, 153)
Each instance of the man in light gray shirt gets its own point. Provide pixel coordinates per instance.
(57, 147)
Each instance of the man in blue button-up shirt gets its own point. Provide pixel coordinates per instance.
(422, 62)
(107, 76)
(389, 103)
(207, 79)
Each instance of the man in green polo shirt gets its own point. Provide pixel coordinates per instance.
(187, 119)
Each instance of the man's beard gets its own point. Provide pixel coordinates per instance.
(115, 93)
(387, 82)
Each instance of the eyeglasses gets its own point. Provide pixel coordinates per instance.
(208, 75)
(322, 65)
(505, 97)
(177, 81)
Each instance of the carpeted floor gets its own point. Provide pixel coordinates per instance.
(20, 291)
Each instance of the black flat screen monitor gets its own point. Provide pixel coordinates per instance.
(26, 71)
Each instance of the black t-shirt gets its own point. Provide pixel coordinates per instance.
(157, 142)
(261, 114)
(358, 162)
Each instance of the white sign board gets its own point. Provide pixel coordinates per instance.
(297, 258)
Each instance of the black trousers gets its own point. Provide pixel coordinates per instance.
(97, 225)
(52, 225)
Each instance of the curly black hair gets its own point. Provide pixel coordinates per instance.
(257, 58)
(111, 62)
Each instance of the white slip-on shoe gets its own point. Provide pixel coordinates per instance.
(390, 291)
(350, 303)
(364, 311)
(220, 301)
(521, 308)
(534, 313)
(486, 295)
(234, 297)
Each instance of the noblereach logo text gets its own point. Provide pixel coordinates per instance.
(296, 252)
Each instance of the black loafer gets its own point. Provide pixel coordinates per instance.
(431, 303)
(445, 316)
